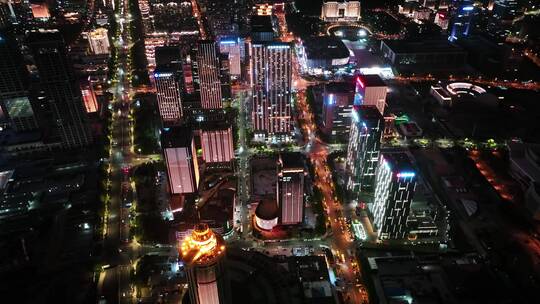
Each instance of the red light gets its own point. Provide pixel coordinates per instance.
(359, 82)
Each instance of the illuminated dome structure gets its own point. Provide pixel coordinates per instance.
(203, 253)
(266, 214)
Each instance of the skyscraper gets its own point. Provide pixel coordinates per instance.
(231, 47)
(395, 184)
(14, 84)
(271, 80)
(461, 20)
(168, 95)
(204, 255)
(209, 74)
(181, 159)
(363, 150)
(217, 142)
(338, 99)
(290, 188)
(371, 91)
(98, 41)
(62, 104)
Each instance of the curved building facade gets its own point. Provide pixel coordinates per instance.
(203, 252)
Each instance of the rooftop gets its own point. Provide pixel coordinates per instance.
(267, 209)
(325, 47)
(292, 160)
(176, 137)
(371, 80)
(398, 161)
(339, 87)
(261, 24)
(424, 46)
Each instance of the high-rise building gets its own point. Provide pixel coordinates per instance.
(209, 74)
(231, 47)
(262, 29)
(340, 10)
(461, 20)
(217, 143)
(203, 253)
(338, 99)
(364, 146)
(98, 41)
(505, 9)
(168, 95)
(181, 159)
(271, 80)
(371, 91)
(60, 100)
(290, 188)
(14, 82)
(395, 184)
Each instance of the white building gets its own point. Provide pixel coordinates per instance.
(231, 47)
(168, 96)
(217, 144)
(341, 11)
(209, 74)
(181, 160)
(271, 81)
(98, 40)
(371, 91)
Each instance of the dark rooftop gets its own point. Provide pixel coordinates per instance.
(261, 24)
(267, 209)
(292, 160)
(424, 46)
(176, 137)
(339, 87)
(368, 112)
(398, 161)
(325, 47)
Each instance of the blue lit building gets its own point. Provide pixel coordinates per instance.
(395, 184)
(367, 127)
(462, 19)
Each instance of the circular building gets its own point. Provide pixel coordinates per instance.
(266, 214)
(203, 252)
(323, 54)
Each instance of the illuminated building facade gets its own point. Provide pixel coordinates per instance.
(364, 146)
(461, 21)
(371, 91)
(89, 97)
(168, 96)
(203, 253)
(231, 47)
(341, 11)
(217, 143)
(395, 184)
(338, 99)
(290, 188)
(442, 19)
(181, 159)
(209, 74)
(98, 41)
(271, 81)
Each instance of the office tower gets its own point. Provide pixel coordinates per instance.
(395, 184)
(338, 99)
(209, 74)
(271, 74)
(261, 29)
(290, 188)
(203, 253)
(168, 95)
(363, 150)
(62, 105)
(181, 159)
(505, 9)
(371, 91)
(461, 20)
(98, 41)
(231, 47)
(14, 95)
(217, 142)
